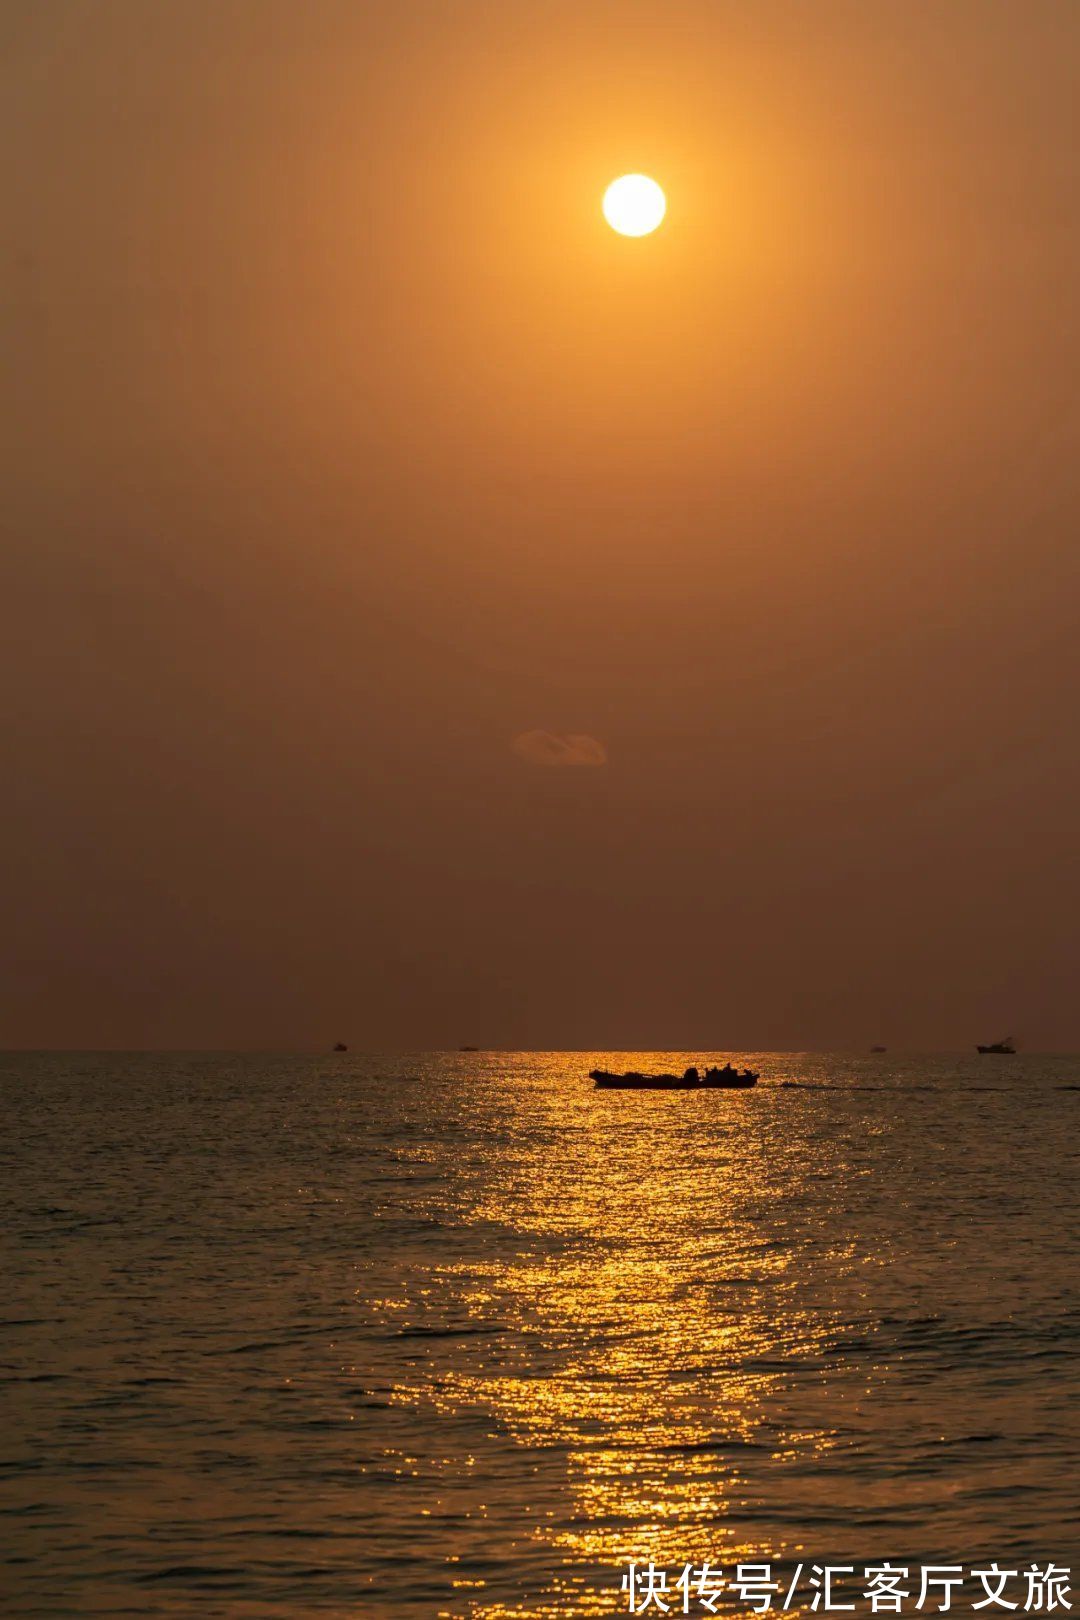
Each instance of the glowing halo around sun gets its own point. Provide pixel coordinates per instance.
(634, 205)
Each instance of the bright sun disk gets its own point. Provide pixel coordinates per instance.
(634, 205)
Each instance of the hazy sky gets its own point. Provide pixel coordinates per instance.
(429, 617)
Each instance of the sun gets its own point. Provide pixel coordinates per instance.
(634, 205)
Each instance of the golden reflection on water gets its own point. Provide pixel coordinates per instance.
(645, 1325)
(833, 1323)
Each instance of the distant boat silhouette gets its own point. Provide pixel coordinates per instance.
(339, 1046)
(468, 1049)
(727, 1079)
(1005, 1048)
(879, 1049)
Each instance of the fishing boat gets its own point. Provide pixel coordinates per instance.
(1005, 1048)
(725, 1079)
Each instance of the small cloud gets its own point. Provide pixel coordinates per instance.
(559, 748)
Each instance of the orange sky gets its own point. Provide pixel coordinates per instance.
(347, 445)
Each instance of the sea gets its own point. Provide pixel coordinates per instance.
(458, 1335)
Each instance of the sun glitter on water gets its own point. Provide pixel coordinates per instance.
(634, 205)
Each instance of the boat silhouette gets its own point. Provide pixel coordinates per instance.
(1005, 1048)
(339, 1046)
(725, 1079)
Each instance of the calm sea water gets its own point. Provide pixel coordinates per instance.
(457, 1335)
